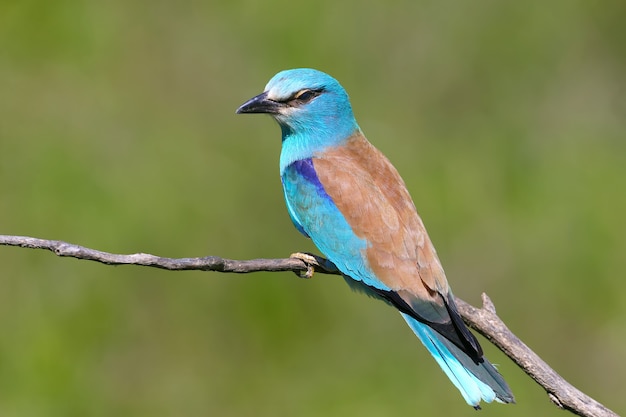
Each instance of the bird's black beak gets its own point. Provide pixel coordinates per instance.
(260, 104)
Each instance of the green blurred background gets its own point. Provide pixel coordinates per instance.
(118, 132)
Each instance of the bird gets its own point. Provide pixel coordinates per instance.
(347, 197)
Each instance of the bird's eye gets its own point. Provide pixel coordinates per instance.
(304, 96)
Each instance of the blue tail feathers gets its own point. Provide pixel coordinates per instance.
(476, 381)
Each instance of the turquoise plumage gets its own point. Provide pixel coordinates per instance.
(346, 196)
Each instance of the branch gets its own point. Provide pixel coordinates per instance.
(563, 394)
(484, 320)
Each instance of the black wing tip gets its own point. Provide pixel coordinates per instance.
(455, 330)
(468, 339)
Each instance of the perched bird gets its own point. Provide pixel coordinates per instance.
(345, 195)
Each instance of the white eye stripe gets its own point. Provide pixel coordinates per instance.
(272, 94)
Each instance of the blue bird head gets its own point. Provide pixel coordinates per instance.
(311, 107)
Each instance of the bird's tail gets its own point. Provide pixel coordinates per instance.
(476, 381)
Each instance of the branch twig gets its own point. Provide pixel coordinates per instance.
(484, 320)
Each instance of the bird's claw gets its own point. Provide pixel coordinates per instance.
(310, 262)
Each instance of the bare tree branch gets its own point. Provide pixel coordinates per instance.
(484, 320)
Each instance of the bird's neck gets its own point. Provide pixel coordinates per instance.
(304, 144)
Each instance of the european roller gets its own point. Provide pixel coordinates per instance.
(345, 195)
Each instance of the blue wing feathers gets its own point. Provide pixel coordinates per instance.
(315, 214)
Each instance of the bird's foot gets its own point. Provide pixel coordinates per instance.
(309, 260)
